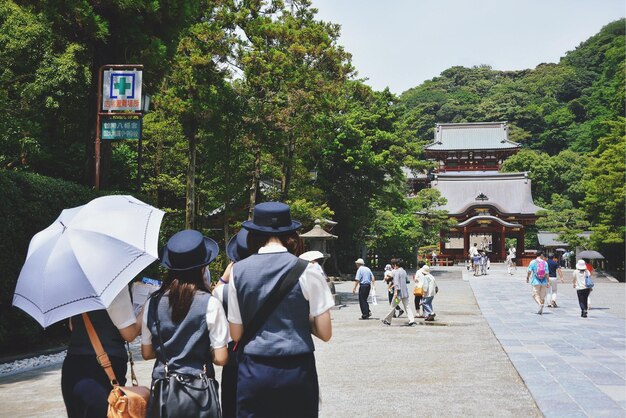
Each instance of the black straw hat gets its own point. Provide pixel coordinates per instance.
(237, 247)
(271, 218)
(187, 250)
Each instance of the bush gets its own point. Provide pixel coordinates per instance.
(29, 203)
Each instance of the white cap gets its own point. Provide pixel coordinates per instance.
(360, 261)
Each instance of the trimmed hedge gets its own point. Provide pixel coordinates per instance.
(28, 203)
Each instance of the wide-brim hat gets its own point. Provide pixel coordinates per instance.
(425, 268)
(359, 261)
(581, 265)
(311, 255)
(271, 218)
(237, 247)
(188, 250)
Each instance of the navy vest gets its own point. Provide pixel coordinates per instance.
(187, 343)
(287, 331)
(109, 336)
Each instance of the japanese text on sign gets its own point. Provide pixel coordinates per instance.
(121, 129)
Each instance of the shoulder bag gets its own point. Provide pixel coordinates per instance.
(181, 395)
(124, 401)
(588, 282)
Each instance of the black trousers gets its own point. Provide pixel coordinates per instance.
(229, 384)
(583, 294)
(364, 292)
(418, 299)
(86, 387)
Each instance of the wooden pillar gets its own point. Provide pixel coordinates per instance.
(502, 243)
(466, 242)
(520, 246)
(442, 244)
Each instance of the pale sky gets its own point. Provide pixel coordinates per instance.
(400, 43)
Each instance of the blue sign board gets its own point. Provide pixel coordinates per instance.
(115, 129)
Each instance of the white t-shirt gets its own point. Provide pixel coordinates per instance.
(473, 251)
(121, 310)
(215, 320)
(579, 279)
(419, 277)
(313, 285)
(218, 293)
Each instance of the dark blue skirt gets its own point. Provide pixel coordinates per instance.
(277, 386)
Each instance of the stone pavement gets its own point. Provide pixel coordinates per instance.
(452, 368)
(573, 366)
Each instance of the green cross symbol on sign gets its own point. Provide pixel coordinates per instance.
(121, 86)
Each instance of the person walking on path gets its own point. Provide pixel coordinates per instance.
(538, 269)
(590, 270)
(236, 250)
(510, 260)
(364, 280)
(184, 328)
(554, 270)
(400, 293)
(483, 263)
(429, 290)
(388, 277)
(277, 371)
(474, 258)
(418, 278)
(582, 281)
(84, 383)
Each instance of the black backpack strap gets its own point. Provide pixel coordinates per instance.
(282, 288)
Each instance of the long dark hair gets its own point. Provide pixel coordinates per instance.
(291, 241)
(182, 286)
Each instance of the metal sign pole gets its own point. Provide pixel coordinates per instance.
(97, 143)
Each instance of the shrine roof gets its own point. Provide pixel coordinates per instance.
(472, 136)
(509, 193)
(551, 239)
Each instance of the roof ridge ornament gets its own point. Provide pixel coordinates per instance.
(482, 197)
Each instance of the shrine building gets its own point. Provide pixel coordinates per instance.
(487, 205)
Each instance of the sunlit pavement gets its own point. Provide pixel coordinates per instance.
(500, 360)
(572, 366)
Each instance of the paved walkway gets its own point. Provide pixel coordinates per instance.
(456, 367)
(573, 366)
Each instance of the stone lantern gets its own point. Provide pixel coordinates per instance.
(316, 240)
(317, 237)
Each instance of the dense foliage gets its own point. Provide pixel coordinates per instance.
(30, 202)
(255, 100)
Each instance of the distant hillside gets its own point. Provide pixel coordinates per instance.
(552, 107)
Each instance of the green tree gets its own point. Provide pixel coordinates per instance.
(541, 172)
(605, 189)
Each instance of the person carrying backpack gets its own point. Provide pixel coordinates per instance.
(538, 269)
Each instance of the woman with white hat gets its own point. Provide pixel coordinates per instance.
(583, 284)
(429, 290)
(277, 374)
